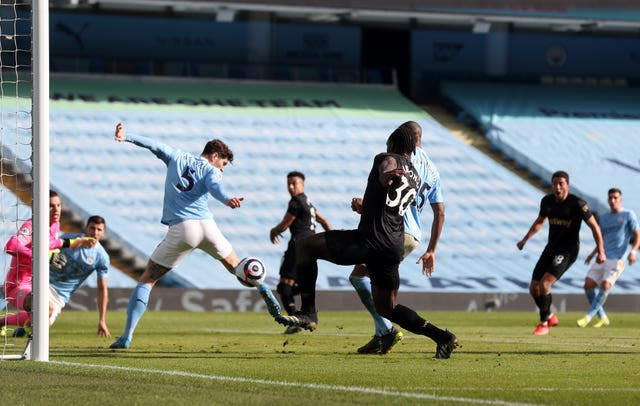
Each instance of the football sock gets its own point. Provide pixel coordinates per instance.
(307, 276)
(410, 320)
(591, 296)
(540, 303)
(362, 285)
(137, 307)
(286, 297)
(545, 309)
(598, 302)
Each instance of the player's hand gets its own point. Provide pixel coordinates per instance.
(356, 205)
(428, 260)
(235, 202)
(632, 257)
(57, 259)
(82, 242)
(390, 176)
(588, 259)
(601, 258)
(120, 135)
(103, 330)
(520, 244)
(274, 236)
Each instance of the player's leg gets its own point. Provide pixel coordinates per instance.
(308, 251)
(594, 275)
(138, 302)
(385, 284)
(535, 290)
(384, 330)
(342, 247)
(383, 327)
(56, 303)
(560, 263)
(15, 295)
(167, 255)
(205, 235)
(612, 273)
(288, 279)
(22, 319)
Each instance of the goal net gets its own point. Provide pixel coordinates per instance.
(18, 169)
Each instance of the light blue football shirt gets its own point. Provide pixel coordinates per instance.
(430, 191)
(617, 231)
(81, 262)
(189, 181)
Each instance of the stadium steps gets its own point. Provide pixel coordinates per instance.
(21, 185)
(472, 137)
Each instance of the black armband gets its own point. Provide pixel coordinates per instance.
(66, 243)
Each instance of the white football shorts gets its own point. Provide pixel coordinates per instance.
(610, 270)
(410, 244)
(184, 237)
(55, 305)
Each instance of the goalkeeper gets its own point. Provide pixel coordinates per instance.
(18, 282)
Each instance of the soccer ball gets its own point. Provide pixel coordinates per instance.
(250, 272)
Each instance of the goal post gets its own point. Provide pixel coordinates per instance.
(24, 160)
(40, 143)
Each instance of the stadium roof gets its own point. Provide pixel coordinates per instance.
(598, 16)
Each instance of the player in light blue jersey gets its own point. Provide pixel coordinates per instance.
(386, 336)
(189, 181)
(619, 227)
(71, 267)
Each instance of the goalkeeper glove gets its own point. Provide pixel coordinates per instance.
(79, 242)
(57, 259)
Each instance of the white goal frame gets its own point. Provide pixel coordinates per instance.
(40, 144)
(37, 347)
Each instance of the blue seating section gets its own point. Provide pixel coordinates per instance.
(488, 208)
(592, 133)
(13, 213)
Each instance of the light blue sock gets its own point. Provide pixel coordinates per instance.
(598, 301)
(137, 306)
(591, 296)
(363, 287)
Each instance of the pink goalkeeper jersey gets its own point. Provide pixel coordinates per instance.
(19, 247)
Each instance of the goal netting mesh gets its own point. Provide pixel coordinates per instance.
(16, 151)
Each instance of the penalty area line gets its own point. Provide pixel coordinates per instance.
(314, 386)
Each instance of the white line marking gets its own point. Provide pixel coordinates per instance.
(341, 388)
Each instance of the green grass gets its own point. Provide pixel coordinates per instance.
(243, 358)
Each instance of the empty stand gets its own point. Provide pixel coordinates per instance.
(488, 209)
(591, 132)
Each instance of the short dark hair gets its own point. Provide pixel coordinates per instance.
(402, 141)
(614, 190)
(415, 128)
(52, 193)
(96, 220)
(560, 174)
(296, 174)
(220, 147)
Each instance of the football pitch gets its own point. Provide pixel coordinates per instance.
(244, 358)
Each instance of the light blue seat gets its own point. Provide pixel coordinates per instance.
(488, 208)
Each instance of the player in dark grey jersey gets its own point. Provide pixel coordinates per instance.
(378, 242)
(300, 219)
(565, 212)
